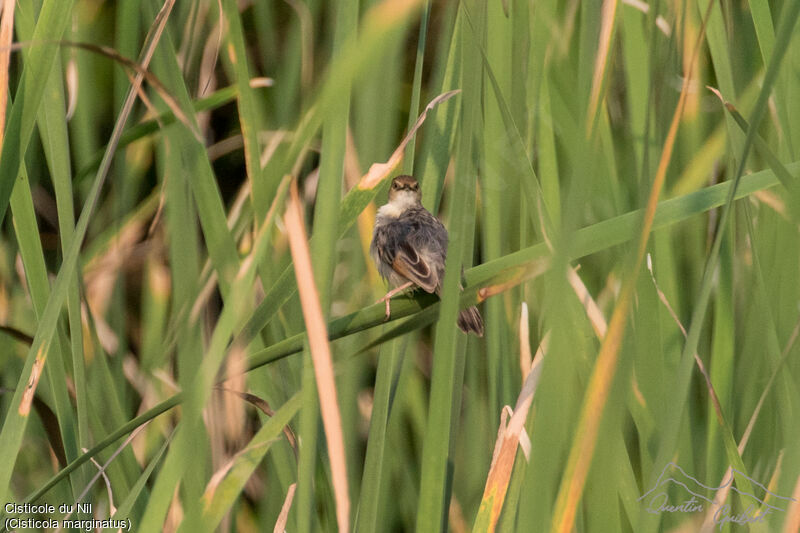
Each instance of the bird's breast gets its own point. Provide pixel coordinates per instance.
(390, 210)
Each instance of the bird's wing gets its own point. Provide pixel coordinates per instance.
(412, 265)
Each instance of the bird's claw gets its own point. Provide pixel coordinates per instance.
(386, 299)
(388, 296)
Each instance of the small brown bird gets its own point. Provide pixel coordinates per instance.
(409, 247)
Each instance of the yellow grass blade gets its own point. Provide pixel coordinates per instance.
(508, 441)
(580, 457)
(320, 354)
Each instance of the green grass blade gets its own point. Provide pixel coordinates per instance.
(666, 449)
(791, 183)
(51, 24)
(218, 500)
(36, 272)
(323, 254)
(352, 205)
(375, 461)
(145, 128)
(248, 112)
(53, 129)
(16, 420)
(436, 483)
(125, 509)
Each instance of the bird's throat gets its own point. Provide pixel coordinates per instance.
(398, 205)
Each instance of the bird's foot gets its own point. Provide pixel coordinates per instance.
(388, 296)
(388, 309)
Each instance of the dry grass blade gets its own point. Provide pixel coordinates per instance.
(789, 181)
(112, 508)
(378, 171)
(593, 311)
(101, 469)
(17, 334)
(283, 517)
(508, 440)
(580, 457)
(138, 69)
(50, 425)
(219, 475)
(6, 34)
(259, 403)
(320, 354)
(153, 37)
(263, 406)
(148, 76)
(700, 365)
(792, 523)
(661, 22)
(712, 517)
(534, 269)
(601, 61)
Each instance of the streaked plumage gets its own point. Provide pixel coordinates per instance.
(409, 247)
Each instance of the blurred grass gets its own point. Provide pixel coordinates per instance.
(177, 276)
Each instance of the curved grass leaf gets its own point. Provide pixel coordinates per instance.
(220, 497)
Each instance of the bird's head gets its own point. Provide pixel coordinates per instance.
(405, 190)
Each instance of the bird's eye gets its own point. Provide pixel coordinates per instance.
(415, 187)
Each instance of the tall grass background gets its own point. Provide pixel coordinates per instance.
(189, 336)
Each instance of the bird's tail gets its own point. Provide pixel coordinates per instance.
(470, 321)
